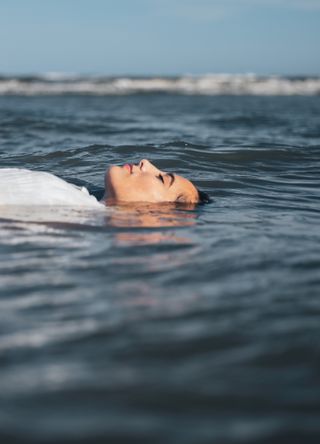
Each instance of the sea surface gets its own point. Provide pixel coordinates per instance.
(146, 324)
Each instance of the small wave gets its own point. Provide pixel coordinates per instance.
(211, 84)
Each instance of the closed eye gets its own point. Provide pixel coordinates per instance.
(172, 178)
(160, 177)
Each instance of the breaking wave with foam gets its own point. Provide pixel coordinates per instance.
(210, 84)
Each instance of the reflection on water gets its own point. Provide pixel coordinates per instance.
(47, 220)
(152, 215)
(132, 238)
(51, 215)
(125, 215)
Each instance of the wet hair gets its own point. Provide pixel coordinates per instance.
(204, 198)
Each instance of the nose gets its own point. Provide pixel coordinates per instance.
(146, 166)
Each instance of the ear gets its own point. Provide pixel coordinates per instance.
(181, 199)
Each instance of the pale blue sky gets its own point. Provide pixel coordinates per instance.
(140, 37)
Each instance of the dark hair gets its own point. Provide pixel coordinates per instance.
(204, 198)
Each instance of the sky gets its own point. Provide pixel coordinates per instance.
(160, 37)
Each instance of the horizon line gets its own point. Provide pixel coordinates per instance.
(55, 75)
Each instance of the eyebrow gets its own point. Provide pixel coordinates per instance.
(172, 178)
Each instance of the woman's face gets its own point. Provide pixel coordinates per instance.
(145, 183)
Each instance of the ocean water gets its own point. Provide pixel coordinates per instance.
(160, 324)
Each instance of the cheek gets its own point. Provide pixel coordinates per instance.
(134, 187)
(145, 188)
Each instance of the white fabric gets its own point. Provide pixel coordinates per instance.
(25, 187)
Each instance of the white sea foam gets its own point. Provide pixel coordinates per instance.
(211, 84)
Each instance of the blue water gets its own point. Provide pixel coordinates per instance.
(155, 325)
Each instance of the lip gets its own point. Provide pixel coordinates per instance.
(128, 166)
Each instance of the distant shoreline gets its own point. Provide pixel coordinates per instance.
(209, 84)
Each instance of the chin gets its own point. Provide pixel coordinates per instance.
(115, 182)
(110, 178)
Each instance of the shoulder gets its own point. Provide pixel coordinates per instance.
(20, 186)
(23, 174)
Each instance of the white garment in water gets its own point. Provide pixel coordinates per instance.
(25, 187)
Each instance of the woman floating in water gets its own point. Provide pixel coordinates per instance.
(146, 183)
(129, 183)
